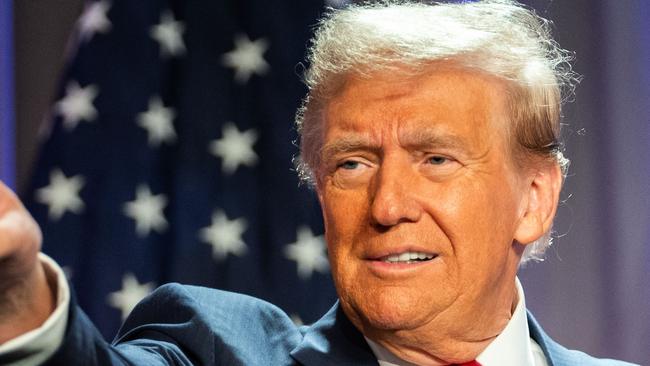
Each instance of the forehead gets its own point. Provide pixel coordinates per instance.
(444, 100)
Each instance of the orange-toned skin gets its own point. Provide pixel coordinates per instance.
(26, 299)
(425, 164)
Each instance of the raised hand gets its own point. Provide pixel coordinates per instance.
(26, 298)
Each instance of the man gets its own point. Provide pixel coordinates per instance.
(430, 134)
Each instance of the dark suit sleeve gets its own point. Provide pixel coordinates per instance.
(84, 345)
(184, 325)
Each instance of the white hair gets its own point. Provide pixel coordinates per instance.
(501, 38)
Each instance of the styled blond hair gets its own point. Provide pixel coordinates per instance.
(501, 38)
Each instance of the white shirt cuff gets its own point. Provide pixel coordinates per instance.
(37, 345)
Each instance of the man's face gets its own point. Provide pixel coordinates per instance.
(421, 199)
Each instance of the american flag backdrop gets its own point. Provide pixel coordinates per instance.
(168, 153)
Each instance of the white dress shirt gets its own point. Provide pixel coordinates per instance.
(513, 347)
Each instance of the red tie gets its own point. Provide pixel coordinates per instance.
(470, 363)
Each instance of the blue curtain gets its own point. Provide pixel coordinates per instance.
(6, 94)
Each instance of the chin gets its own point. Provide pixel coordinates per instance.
(390, 310)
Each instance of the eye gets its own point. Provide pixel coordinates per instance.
(351, 173)
(437, 160)
(439, 167)
(349, 165)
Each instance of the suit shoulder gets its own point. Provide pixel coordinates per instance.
(209, 299)
(214, 307)
(234, 328)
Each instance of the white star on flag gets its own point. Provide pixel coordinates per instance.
(147, 211)
(247, 58)
(235, 148)
(309, 253)
(130, 295)
(225, 236)
(77, 105)
(61, 195)
(94, 19)
(169, 34)
(157, 120)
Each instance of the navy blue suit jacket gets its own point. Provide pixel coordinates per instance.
(186, 325)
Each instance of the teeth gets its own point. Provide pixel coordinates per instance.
(408, 257)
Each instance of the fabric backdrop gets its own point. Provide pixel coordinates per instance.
(167, 158)
(7, 162)
(593, 291)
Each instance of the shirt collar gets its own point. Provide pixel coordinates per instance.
(510, 348)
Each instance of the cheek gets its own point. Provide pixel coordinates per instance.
(346, 219)
(344, 215)
(344, 211)
(477, 217)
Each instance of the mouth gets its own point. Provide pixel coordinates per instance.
(401, 265)
(407, 257)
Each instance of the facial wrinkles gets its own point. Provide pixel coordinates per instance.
(396, 133)
(482, 161)
(349, 143)
(422, 137)
(399, 137)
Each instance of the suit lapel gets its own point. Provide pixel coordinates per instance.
(556, 354)
(333, 340)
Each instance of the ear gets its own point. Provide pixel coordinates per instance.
(542, 201)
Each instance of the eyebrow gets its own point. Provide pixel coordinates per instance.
(347, 144)
(420, 139)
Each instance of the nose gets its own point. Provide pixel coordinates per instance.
(394, 197)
